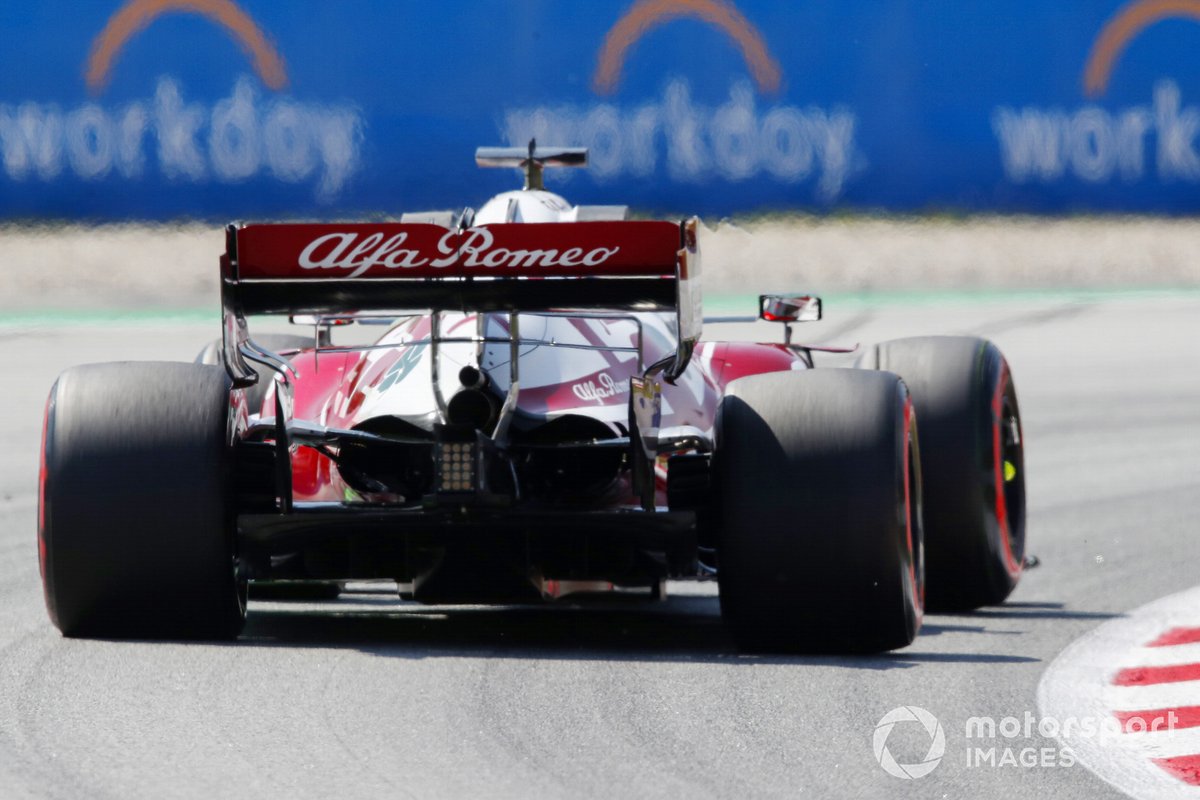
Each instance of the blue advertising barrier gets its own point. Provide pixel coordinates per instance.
(218, 109)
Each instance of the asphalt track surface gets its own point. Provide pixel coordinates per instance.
(369, 696)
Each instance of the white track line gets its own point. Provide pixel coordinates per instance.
(1146, 698)
(1167, 744)
(1078, 684)
(1163, 656)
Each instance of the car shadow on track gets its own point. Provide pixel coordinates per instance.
(685, 629)
(1026, 610)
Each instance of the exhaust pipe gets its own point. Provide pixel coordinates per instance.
(473, 405)
(472, 378)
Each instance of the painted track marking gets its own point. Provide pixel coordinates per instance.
(1141, 673)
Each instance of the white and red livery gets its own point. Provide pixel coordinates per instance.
(539, 417)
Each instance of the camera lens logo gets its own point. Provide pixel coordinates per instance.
(937, 742)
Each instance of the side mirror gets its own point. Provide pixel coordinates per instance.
(786, 308)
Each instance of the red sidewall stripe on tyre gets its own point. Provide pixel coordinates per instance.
(41, 533)
(918, 590)
(1010, 558)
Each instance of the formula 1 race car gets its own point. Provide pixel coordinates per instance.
(538, 418)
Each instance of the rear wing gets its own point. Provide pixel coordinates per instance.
(334, 268)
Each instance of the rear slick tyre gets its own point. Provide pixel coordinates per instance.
(136, 527)
(973, 462)
(818, 512)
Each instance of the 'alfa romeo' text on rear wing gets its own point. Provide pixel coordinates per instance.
(343, 268)
(339, 268)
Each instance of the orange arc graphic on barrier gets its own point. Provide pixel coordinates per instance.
(136, 15)
(648, 14)
(1126, 26)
